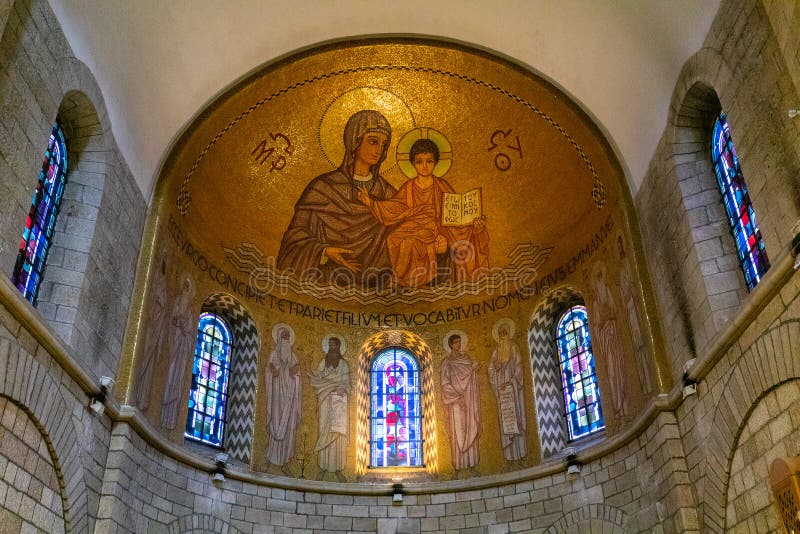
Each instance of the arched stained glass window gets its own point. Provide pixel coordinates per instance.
(395, 411)
(41, 221)
(209, 392)
(578, 378)
(741, 217)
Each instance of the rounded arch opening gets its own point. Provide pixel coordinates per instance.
(374, 346)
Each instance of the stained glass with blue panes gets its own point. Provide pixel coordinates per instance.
(41, 221)
(395, 411)
(208, 394)
(583, 411)
(741, 216)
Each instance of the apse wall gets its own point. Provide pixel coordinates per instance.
(679, 465)
(262, 199)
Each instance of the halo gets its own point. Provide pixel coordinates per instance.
(187, 285)
(464, 339)
(445, 151)
(346, 104)
(342, 343)
(286, 326)
(504, 321)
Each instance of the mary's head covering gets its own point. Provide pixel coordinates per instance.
(360, 124)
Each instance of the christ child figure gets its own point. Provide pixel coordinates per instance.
(418, 244)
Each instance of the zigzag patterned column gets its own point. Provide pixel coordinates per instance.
(546, 373)
(244, 375)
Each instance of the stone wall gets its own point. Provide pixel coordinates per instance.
(29, 485)
(148, 492)
(87, 285)
(698, 283)
(771, 431)
(57, 405)
(692, 465)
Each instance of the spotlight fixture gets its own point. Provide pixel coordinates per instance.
(107, 382)
(97, 402)
(573, 466)
(218, 474)
(689, 386)
(397, 494)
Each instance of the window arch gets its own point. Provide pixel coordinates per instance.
(582, 409)
(41, 222)
(395, 410)
(741, 216)
(208, 395)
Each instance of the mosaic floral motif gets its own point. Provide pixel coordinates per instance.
(741, 216)
(208, 395)
(578, 377)
(395, 417)
(41, 221)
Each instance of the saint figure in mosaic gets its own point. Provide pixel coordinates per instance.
(156, 336)
(331, 382)
(183, 336)
(462, 402)
(283, 388)
(505, 376)
(421, 246)
(608, 345)
(629, 302)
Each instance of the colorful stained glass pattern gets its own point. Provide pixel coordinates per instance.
(395, 414)
(41, 221)
(209, 392)
(741, 217)
(578, 378)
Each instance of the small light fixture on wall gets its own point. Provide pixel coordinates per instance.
(689, 384)
(574, 466)
(397, 494)
(794, 113)
(218, 474)
(98, 402)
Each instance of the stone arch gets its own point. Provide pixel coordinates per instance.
(593, 518)
(28, 384)
(771, 360)
(68, 260)
(86, 290)
(201, 524)
(767, 433)
(244, 374)
(373, 345)
(544, 366)
(24, 445)
(709, 285)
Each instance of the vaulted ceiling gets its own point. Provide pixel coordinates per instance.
(160, 63)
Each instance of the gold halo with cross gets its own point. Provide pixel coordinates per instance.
(404, 147)
(346, 104)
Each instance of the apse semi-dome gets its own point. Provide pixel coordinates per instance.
(389, 190)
